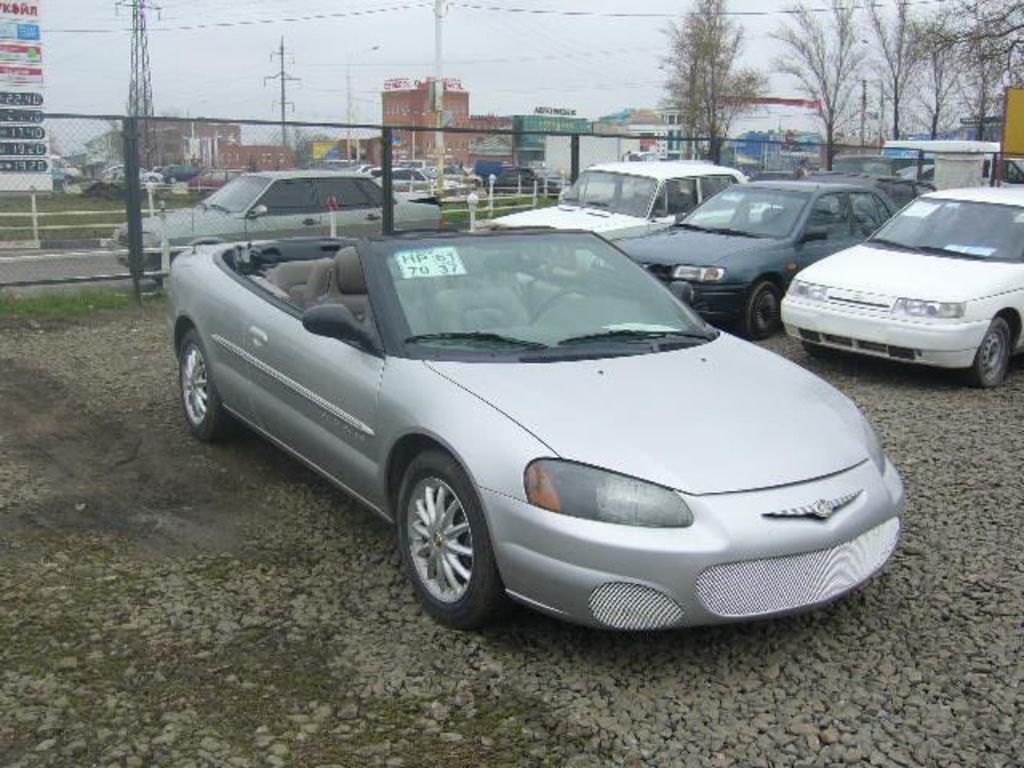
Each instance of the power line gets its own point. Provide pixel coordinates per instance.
(645, 14)
(284, 78)
(249, 22)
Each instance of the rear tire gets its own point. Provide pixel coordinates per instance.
(762, 314)
(446, 549)
(204, 411)
(992, 359)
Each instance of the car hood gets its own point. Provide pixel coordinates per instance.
(571, 217)
(723, 417)
(685, 246)
(893, 273)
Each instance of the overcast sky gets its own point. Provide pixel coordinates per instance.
(510, 62)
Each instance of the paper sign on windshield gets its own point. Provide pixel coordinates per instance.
(443, 261)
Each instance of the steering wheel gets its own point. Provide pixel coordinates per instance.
(550, 301)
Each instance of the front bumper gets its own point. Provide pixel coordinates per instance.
(948, 344)
(714, 302)
(731, 564)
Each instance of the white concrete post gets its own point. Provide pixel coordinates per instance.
(472, 200)
(332, 218)
(149, 192)
(35, 218)
(165, 243)
(490, 191)
(534, 193)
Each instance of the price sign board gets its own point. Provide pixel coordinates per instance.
(25, 162)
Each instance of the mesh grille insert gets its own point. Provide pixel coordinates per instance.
(621, 605)
(759, 587)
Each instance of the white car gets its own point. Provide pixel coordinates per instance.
(942, 283)
(618, 200)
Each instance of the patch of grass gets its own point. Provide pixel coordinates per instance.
(64, 303)
(457, 213)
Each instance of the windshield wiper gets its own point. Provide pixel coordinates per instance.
(727, 231)
(215, 206)
(493, 338)
(624, 334)
(895, 244)
(938, 251)
(694, 227)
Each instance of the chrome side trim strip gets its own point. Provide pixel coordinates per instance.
(295, 387)
(313, 466)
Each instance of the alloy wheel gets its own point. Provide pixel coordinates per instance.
(194, 385)
(440, 540)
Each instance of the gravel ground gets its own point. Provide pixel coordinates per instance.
(164, 602)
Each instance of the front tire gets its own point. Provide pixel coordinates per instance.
(762, 314)
(992, 359)
(445, 546)
(204, 411)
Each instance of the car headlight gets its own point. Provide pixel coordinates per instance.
(595, 494)
(808, 291)
(699, 274)
(938, 310)
(874, 446)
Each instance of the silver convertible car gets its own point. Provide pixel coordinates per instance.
(541, 420)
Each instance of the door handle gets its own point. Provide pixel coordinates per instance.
(258, 336)
(373, 217)
(309, 222)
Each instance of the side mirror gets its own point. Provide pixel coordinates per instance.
(682, 290)
(679, 217)
(336, 321)
(814, 233)
(257, 211)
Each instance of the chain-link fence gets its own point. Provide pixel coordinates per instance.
(86, 198)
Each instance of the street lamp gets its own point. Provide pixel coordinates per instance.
(348, 91)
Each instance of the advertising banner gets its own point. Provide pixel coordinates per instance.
(25, 162)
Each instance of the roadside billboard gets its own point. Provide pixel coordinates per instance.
(1013, 123)
(25, 162)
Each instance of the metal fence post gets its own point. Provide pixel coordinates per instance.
(574, 157)
(387, 180)
(133, 202)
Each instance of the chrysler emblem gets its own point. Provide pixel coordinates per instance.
(822, 509)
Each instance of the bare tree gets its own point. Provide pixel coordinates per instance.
(705, 82)
(825, 57)
(996, 26)
(940, 68)
(899, 52)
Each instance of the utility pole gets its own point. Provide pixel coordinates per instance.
(285, 78)
(439, 11)
(140, 87)
(863, 110)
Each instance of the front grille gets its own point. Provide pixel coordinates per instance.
(810, 335)
(900, 353)
(621, 605)
(760, 587)
(872, 346)
(843, 341)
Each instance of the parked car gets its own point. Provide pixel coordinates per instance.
(874, 165)
(741, 248)
(180, 172)
(619, 200)
(514, 180)
(900, 189)
(549, 181)
(410, 371)
(150, 177)
(63, 173)
(275, 204)
(407, 179)
(212, 179)
(941, 284)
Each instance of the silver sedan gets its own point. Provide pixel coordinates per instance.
(542, 421)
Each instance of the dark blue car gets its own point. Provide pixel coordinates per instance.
(740, 249)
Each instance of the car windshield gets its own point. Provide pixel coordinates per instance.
(238, 194)
(617, 192)
(957, 229)
(750, 210)
(550, 295)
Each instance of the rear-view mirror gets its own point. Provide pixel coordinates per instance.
(336, 321)
(682, 290)
(257, 211)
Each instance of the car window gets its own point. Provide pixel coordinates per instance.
(401, 174)
(676, 197)
(345, 193)
(289, 196)
(866, 218)
(620, 193)
(712, 185)
(829, 214)
(372, 191)
(238, 194)
(753, 210)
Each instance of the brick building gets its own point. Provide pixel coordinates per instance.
(256, 157)
(190, 142)
(407, 102)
